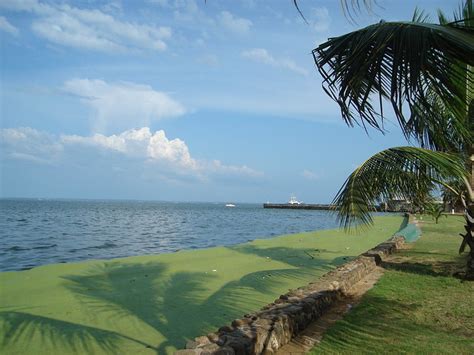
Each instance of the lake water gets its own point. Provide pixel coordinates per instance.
(38, 232)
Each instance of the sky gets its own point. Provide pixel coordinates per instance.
(178, 100)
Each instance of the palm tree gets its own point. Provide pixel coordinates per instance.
(435, 210)
(424, 72)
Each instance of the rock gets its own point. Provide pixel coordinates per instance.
(225, 329)
(224, 351)
(191, 344)
(267, 330)
(240, 322)
(209, 349)
(239, 345)
(293, 299)
(263, 324)
(214, 349)
(189, 352)
(213, 337)
(201, 341)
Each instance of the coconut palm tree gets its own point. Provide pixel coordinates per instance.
(424, 73)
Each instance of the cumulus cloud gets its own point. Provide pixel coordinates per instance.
(319, 19)
(8, 27)
(142, 144)
(233, 23)
(152, 149)
(261, 55)
(118, 106)
(90, 29)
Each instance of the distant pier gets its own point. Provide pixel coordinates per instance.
(301, 206)
(320, 207)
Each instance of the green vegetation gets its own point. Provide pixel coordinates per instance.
(424, 73)
(417, 306)
(435, 210)
(153, 304)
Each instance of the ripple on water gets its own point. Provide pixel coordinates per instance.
(44, 246)
(39, 232)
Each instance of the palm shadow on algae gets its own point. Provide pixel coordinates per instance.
(147, 308)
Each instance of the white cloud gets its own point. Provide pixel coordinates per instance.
(90, 29)
(216, 167)
(234, 24)
(22, 5)
(8, 27)
(143, 144)
(307, 174)
(118, 106)
(153, 150)
(198, 19)
(188, 13)
(261, 55)
(29, 144)
(319, 19)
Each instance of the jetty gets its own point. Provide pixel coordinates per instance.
(300, 206)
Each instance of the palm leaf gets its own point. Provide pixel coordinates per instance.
(402, 172)
(349, 7)
(436, 127)
(355, 7)
(397, 62)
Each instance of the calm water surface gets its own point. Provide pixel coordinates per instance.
(38, 232)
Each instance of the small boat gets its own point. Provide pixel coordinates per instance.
(230, 205)
(294, 201)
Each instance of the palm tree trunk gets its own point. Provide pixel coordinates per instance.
(468, 237)
(469, 227)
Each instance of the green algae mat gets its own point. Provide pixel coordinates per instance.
(154, 304)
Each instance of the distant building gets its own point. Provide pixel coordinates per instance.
(453, 206)
(396, 205)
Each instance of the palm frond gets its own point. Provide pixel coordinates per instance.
(436, 127)
(397, 62)
(349, 8)
(355, 7)
(420, 16)
(402, 172)
(295, 3)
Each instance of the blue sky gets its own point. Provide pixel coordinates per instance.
(177, 100)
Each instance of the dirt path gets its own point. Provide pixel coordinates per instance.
(313, 334)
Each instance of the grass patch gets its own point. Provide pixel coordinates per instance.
(153, 304)
(417, 306)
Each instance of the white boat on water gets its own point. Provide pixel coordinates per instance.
(230, 205)
(294, 201)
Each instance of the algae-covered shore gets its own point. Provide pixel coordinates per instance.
(153, 304)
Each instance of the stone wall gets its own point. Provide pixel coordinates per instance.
(267, 330)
